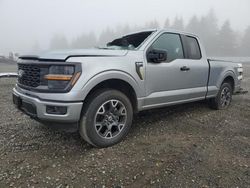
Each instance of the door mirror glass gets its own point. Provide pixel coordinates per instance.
(157, 56)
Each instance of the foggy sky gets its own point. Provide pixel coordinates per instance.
(23, 23)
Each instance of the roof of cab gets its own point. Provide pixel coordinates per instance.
(163, 30)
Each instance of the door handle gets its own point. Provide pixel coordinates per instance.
(184, 68)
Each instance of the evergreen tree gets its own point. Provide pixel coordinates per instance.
(245, 44)
(227, 40)
(194, 25)
(58, 42)
(218, 42)
(122, 30)
(85, 41)
(178, 24)
(208, 32)
(152, 25)
(167, 23)
(106, 36)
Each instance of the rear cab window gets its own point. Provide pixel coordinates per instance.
(192, 46)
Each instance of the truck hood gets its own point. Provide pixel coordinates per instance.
(65, 54)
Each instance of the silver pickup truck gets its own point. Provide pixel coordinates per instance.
(100, 89)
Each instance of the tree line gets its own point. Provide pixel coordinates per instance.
(218, 40)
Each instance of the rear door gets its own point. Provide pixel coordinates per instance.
(182, 77)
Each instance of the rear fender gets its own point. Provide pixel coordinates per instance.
(225, 75)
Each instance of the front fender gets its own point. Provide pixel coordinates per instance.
(112, 74)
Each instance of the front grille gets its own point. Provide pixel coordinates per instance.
(29, 75)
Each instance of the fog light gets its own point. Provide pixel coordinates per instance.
(58, 110)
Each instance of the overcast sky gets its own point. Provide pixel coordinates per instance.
(23, 22)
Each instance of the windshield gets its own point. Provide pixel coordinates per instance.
(129, 42)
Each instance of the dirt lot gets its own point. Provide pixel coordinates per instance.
(184, 146)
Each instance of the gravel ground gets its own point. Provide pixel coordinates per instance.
(183, 146)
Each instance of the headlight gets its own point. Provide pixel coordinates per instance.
(60, 69)
(61, 76)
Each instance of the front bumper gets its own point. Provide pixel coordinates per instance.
(36, 108)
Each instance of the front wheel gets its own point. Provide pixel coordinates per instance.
(223, 98)
(107, 119)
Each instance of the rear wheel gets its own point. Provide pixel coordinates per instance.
(107, 119)
(223, 98)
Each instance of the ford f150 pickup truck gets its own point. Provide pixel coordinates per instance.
(100, 89)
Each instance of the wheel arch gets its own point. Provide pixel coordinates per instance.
(114, 80)
(229, 77)
(230, 80)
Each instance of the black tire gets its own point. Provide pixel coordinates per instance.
(113, 125)
(223, 98)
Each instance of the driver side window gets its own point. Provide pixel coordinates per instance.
(171, 43)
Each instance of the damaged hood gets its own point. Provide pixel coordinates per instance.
(65, 54)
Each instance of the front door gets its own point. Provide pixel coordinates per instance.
(179, 78)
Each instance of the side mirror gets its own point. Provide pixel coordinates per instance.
(157, 56)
